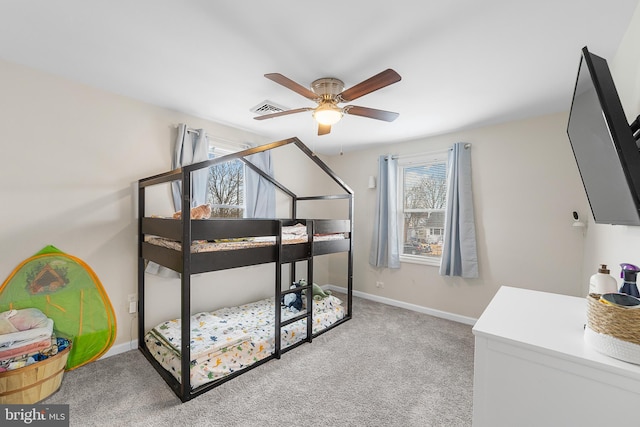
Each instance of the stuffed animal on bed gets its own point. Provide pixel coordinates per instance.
(294, 300)
(199, 212)
(319, 293)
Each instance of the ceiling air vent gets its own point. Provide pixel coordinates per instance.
(267, 107)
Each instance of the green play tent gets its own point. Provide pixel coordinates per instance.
(67, 290)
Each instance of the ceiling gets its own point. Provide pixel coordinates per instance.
(464, 63)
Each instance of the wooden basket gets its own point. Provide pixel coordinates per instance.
(613, 330)
(35, 382)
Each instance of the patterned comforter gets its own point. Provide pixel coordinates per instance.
(233, 338)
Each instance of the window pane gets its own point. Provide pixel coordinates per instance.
(423, 205)
(425, 186)
(226, 189)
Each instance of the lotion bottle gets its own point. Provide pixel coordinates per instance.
(602, 282)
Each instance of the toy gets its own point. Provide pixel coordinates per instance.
(293, 300)
(199, 212)
(319, 293)
(69, 292)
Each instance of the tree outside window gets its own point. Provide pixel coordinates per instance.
(225, 192)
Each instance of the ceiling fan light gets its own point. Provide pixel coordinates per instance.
(327, 114)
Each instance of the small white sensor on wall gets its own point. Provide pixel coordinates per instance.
(372, 181)
(576, 220)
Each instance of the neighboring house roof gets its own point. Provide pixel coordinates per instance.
(435, 220)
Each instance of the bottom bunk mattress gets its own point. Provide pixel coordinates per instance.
(232, 338)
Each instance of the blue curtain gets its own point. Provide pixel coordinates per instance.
(191, 148)
(260, 194)
(459, 254)
(385, 249)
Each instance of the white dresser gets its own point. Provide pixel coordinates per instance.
(533, 368)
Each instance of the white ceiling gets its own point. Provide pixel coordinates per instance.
(464, 63)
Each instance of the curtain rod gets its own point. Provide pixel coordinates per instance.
(217, 138)
(426, 153)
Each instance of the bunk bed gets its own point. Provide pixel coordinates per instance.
(237, 338)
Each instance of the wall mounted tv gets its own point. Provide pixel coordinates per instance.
(604, 145)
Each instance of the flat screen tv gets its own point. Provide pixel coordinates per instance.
(604, 145)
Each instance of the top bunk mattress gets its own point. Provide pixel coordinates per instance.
(290, 235)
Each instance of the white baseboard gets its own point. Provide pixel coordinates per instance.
(420, 309)
(121, 348)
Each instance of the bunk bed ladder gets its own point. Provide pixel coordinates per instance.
(308, 289)
(309, 294)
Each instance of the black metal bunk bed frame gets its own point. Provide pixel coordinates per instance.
(188, 263)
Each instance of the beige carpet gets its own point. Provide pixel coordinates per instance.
(385, 367)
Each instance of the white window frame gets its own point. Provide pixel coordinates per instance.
(412, 161)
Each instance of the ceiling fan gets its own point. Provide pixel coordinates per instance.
(328, 92)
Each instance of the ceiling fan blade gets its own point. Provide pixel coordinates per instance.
(283, 113)
(371, 113)
(323, 129)
(374, 83)
(290, 84)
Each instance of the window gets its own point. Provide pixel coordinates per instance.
(423, 199)
(225, 188)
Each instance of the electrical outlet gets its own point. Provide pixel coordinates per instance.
(133, 303)
(379, 284)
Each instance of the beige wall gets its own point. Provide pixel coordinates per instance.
(526, 186)
(71, 156)
(615, 244)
